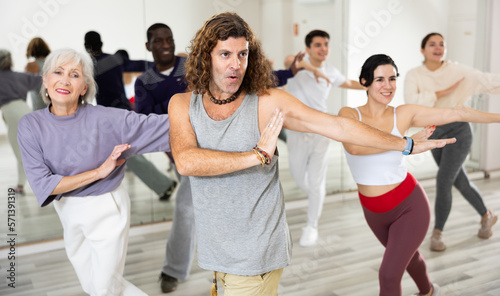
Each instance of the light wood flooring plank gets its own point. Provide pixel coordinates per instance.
(345, 261)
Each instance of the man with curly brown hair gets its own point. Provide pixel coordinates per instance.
(223, 136)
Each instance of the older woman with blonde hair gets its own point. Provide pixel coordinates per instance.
(74, 153)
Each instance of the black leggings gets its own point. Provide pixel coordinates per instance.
(401, 231)
(451, 172)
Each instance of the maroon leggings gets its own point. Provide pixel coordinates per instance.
(402, 230)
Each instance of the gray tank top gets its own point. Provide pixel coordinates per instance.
(240, 217)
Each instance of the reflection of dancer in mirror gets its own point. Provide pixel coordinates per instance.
(441, 83)
(109, 70)
(394, 204)
(39, 50)
(308, 153)
(224, 136)
(74, 153)
(153, 90)
(14, 87)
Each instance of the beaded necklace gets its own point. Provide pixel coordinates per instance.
(228, 100)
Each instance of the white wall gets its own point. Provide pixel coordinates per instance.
(392, 27)
(285, 23)
(63, 23)
(489, 146)
(122, 24)
(358, 29)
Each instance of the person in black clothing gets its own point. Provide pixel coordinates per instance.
(109, 71)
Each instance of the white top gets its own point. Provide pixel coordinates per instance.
(384, 168)
(312, 93)
(421, 84)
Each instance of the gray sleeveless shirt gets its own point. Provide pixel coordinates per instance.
(240, 217)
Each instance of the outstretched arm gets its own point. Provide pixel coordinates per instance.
(191, 160)
(296, 63)
(299, 117)
(351, 84)
(70, 183)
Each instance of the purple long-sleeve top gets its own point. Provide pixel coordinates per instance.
(53, 147)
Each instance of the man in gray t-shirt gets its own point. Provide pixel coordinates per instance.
(224, 134)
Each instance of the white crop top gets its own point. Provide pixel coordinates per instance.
(384, 168)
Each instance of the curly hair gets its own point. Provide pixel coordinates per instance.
(258, 77)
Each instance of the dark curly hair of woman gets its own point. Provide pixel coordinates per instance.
(258, 77)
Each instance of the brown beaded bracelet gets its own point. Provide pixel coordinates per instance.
(263, 156)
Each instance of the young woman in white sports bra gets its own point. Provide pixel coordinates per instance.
(394, 204)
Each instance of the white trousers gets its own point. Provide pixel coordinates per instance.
(308, 158)
(96, 237)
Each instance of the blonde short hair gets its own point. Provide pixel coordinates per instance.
(67, 55)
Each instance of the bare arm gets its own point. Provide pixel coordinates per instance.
(70, 183)
(299, 117)
(296, 63)
(348, 112)
(351, 84)
(192, 160)
(317, 73)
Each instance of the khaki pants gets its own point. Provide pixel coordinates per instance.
(12, 113)
(263, 284)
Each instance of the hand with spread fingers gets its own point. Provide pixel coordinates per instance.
(424, 134)
(269, 137)
(113, 160)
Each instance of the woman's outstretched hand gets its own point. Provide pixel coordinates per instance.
(422, 146)
(424, 134)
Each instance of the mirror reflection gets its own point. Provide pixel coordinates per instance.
(392, 27)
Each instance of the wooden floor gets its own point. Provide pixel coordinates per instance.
(345, 261)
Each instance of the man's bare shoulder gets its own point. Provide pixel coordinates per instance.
(180, 100)
(276, 94)
(182, 96)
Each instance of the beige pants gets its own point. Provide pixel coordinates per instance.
(12, 113)
(263, 284)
